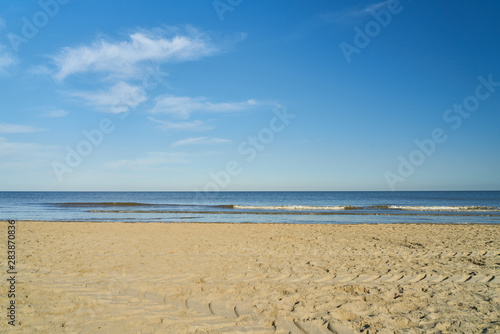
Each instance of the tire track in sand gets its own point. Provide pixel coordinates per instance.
(222, 315)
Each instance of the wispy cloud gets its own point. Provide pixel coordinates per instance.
(117, 99)
(123, 58)
(352, 15)
(196, 125)
(183, 106)
(6, 59)
(39, 70)
(8, 148)
(17, 128)
(25, 156)
(56, 113)
(200, 141)
(153, 159)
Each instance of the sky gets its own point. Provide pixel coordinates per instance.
(232, 95)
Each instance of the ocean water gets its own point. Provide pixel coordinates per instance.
(255, 207)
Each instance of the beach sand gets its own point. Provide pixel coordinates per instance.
(82, 277)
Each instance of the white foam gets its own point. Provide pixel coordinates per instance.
(290, 207)
(444, 208)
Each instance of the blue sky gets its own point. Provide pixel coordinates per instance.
(249, 95)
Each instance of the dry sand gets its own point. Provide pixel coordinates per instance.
(254, 278)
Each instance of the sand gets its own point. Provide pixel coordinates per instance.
(253, 278)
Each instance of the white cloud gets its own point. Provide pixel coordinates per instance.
(183, 106)
(119, 98)
(353, 15)
(16, 128)
(124, 58)
(8, 148)
(6, 59)
(196, 125)
(153, 159)
(17, 156)
(39, 70)
(200, 141)
(57, 113)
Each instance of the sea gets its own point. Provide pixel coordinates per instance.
(294, 207)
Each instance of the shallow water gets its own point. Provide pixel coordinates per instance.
(255, 207)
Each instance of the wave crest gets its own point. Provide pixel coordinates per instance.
(294, 207)
(444, 208)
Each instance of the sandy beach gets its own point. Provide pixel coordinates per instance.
(83, 277)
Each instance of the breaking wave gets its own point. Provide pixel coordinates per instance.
(231, 208)
(372, 207)
(445, 208)
(289, 207)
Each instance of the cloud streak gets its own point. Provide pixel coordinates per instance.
(153, 159)
(117, 99)
(183, 106)
(56, 113)
(21, 156)
(200, 141)
(5, 61)
(196, 125)
(124, 58)
(17, 128)
(6, 58)
(352, 15)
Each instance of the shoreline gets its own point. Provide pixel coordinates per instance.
(249, 223)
